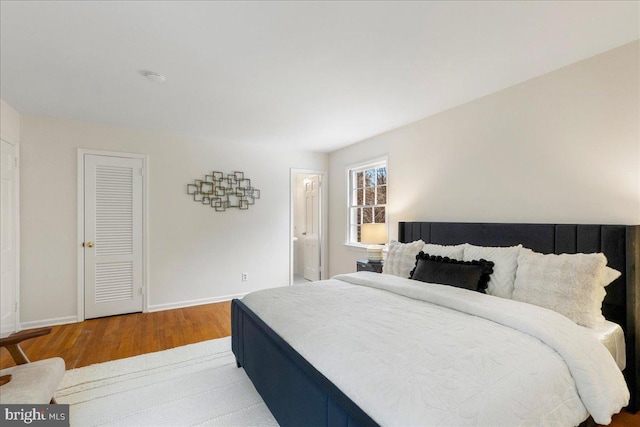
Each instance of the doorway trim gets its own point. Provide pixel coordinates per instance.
(80, 219)
(324, 216)
(16, 303)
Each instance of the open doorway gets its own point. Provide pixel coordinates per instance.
(308, 226)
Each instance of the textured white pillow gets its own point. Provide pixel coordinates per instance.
(505, 259)
(570, 284)
(609, 275)
(454, 252)
(401, 258)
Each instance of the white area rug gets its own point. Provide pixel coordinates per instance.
(196, 384)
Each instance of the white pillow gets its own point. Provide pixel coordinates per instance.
(609, 275)
(454, 252)
(401, 258)
(570, 284)
(505, 260)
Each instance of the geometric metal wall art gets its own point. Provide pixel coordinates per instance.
(222, 193)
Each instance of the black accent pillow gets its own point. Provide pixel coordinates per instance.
(472, 275)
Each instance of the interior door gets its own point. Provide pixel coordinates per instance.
(112, 235)
(8, 239)
(312, 228)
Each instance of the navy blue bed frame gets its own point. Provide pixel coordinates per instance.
(299, 395)
(296, 393)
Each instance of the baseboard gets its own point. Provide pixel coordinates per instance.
(193, 302)
(159, 307)
(48, 322)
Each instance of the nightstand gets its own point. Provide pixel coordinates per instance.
(366, 265)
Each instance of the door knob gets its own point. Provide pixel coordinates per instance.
(90, 244)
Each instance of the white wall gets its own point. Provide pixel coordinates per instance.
(9, 123)
(195, 254)
(560, 148)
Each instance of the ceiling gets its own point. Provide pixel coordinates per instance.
(296, 75)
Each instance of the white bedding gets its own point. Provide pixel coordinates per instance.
(612, 336)
(411, 353)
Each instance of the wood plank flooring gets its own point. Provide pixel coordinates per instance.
(117, 337)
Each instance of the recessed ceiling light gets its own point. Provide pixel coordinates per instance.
(154, 77)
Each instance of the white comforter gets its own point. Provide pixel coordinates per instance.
(413, 353)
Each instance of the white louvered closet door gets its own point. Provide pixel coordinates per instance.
(112, 235)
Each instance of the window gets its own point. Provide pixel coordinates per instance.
(367, 197)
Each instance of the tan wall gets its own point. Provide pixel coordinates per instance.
(9, 123)
(194, 253)
(562, 148)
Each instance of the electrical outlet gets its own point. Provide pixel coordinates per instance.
(245, 277)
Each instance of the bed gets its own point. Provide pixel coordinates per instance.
(299, 392)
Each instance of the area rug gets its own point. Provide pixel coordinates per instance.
(192, 385)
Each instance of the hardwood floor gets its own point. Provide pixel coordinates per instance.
(117, 337)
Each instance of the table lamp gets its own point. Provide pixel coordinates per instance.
(374, 235)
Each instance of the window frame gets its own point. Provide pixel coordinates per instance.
(349, 171)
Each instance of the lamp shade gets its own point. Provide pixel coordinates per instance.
(374, 234)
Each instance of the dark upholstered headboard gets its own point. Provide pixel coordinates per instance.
(620, 244)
